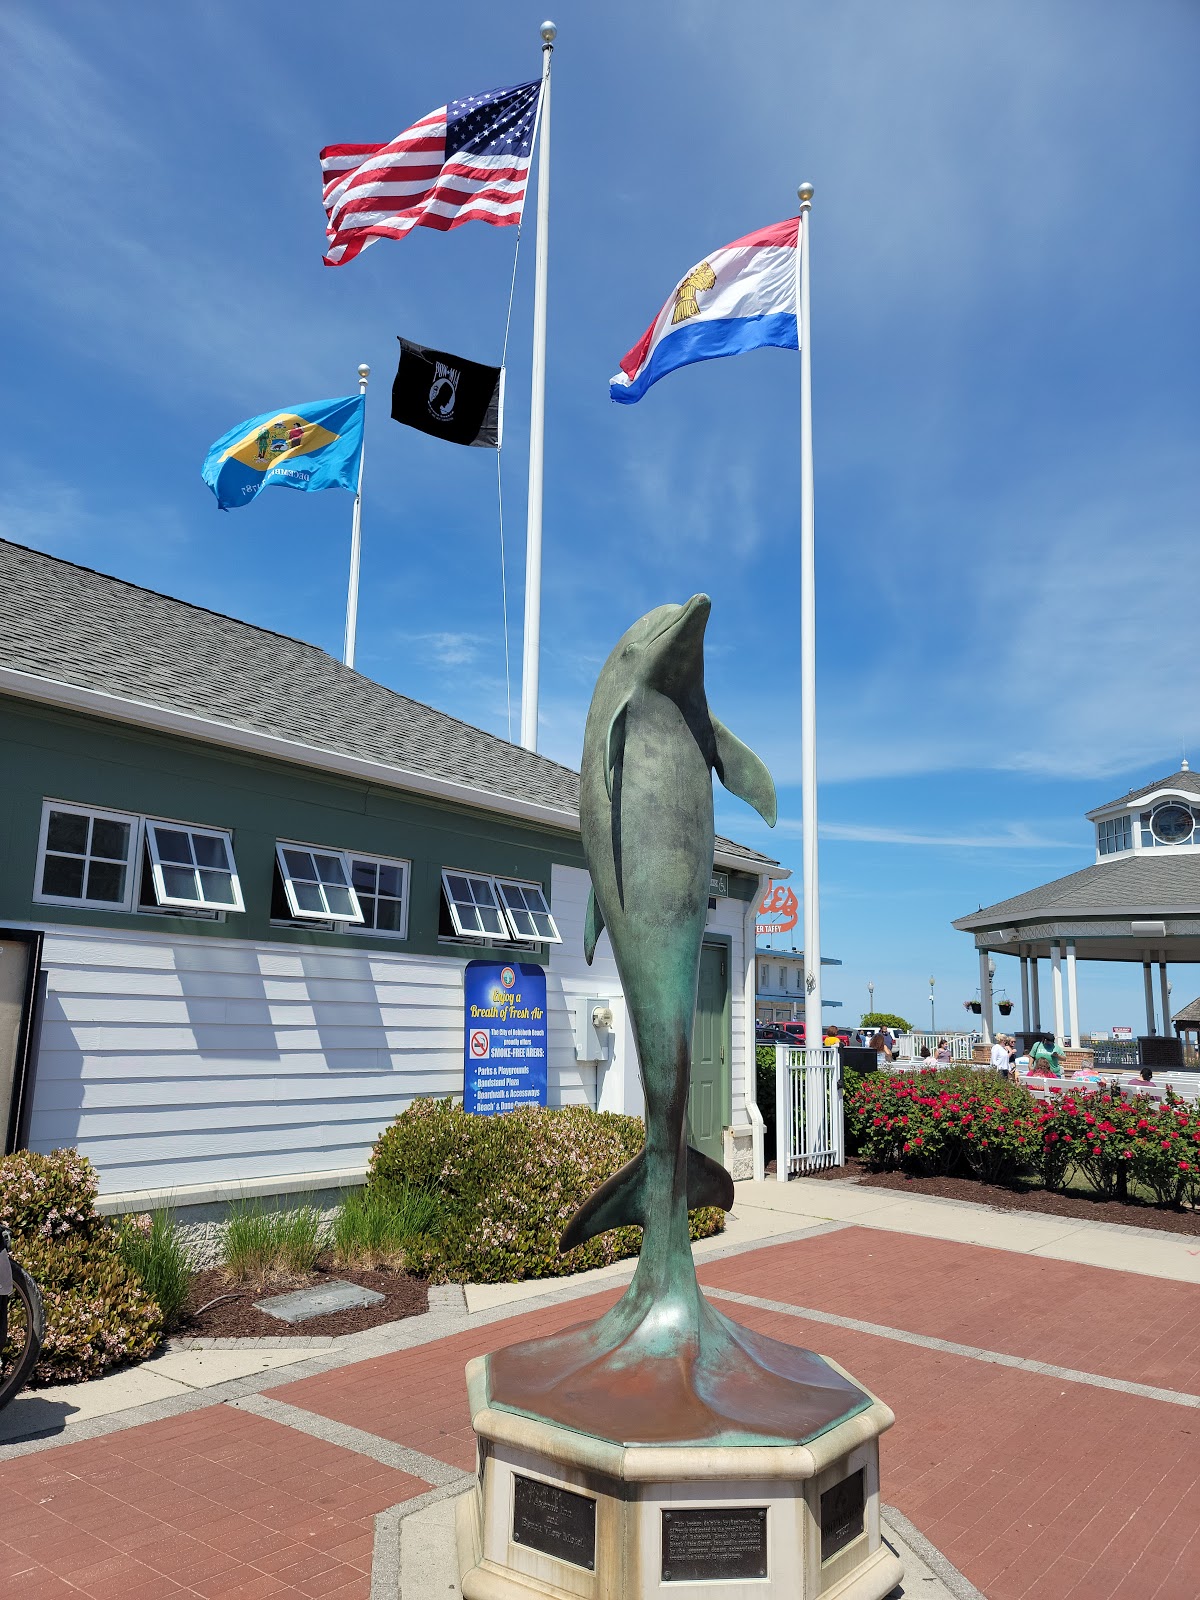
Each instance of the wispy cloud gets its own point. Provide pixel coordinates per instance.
(1014, 836)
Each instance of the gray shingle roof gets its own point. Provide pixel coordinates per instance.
(1159, 879)
(72, 625)
(1185, 781)
(1189, 1013)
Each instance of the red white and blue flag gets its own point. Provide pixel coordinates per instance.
(741, 297)
(466, 161)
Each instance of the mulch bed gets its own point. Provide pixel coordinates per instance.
(235, 1317)
(1020, 1197)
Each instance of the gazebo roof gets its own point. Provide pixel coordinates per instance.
(1189, 1013)
(1133, 886)
(1186, 781)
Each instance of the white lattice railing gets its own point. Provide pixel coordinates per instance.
(809, 1124)
(910, 1045)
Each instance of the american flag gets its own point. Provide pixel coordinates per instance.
(469, 159)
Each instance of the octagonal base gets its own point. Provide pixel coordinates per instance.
(560, 1513)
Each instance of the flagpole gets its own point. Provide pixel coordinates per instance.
(537, 417)
(364, 372)
(808, 645)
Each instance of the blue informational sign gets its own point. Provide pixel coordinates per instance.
(504, 1011)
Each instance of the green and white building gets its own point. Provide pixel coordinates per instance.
(259, 875)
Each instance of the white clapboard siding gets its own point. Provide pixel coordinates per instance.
(730, 918)
(178, 1060)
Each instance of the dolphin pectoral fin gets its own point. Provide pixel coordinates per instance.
(614, 747)
(617, 1203)
(593, 927)
(708, 1183)
(743, 774)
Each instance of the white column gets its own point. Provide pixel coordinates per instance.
(1036, 994)
(749, 940)
(531, 653)
(813, 1013)
(364, 372)
(987, 1021)
(1168, 1031)
(1056, 969)
(783, 1118)
(1025, 1024)
(1150, 1028)
(1072, 996)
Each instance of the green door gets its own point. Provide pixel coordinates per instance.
(709, 1096)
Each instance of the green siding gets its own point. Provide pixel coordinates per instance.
(46, 753)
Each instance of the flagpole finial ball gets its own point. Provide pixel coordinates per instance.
(364, 370)
(549, 33)
(805, 192)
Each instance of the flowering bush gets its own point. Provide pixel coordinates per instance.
(510, 1184)
(97, 1313)
(964, 1121)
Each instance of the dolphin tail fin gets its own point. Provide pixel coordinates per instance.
(617, 1203)
(620, 1202)
(743, 774)
(708, 1183)
(593, 927)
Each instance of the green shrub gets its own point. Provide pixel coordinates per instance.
(97, 1313)
(885, 1019)
(764, 1094)
(152, 1248)
(508, 1185)
(378, 1227)
(261, 1246)
(957, 1120)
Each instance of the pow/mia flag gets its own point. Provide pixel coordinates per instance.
(451, 398)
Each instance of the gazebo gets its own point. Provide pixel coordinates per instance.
(1187, 1027)
(1139, 901)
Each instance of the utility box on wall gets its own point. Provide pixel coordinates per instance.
(592, 1027)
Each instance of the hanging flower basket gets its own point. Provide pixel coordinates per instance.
(1004, 1007)
(973, 1005)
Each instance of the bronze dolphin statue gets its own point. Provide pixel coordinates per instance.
(663, 1365)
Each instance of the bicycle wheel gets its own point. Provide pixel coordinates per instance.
(22, 1328)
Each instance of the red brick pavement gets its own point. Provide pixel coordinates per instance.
(212, 1505)
(1118, 1324)
(1037, 1488)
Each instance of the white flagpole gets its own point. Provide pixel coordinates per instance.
(814, 1020)
(537, 417)
(364, 372)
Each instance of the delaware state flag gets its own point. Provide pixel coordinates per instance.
(316, 446)
(741, 297)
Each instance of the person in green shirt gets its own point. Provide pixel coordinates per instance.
(1046, 1060)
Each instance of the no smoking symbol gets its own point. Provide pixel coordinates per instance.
(481, 1043)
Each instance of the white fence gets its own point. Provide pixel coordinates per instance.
(809, 1128)
(910, 1045)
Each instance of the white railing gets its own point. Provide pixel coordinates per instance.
(809, 1128)
(910, 1045)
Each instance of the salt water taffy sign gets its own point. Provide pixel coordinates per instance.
(505, 1036)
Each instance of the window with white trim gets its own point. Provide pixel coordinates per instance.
(86, 857)
(478, 906)
(193, 869)
(316, 883)
(528, 914)
(382, 889)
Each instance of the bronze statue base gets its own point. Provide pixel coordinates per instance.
(717, 1384)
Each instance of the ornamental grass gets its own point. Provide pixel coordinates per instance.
(508, 1185)
(961, 1122)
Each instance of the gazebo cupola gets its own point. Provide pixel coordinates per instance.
(1162, 816)
(1139, 901)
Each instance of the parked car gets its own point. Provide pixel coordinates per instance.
(795, 1030)
(772, 1033)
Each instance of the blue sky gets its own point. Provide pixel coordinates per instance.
(1005, 346)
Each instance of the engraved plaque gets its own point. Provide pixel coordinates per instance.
(714, 1542)
(558, 1522)
(842, 1509)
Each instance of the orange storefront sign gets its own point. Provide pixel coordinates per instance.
(780, 906)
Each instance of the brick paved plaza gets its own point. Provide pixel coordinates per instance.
(1047, 1437)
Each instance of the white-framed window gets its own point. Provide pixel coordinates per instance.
(192, 868)
(508, 910)
(86, 856)
(381, 886)
(527, 911)
(1115, 834)
(316, 882)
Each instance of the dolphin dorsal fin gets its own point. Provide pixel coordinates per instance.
(614, 746)
(743, 774)
(593, 927)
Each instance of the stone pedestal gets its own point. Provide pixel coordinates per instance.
(560, 1513)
